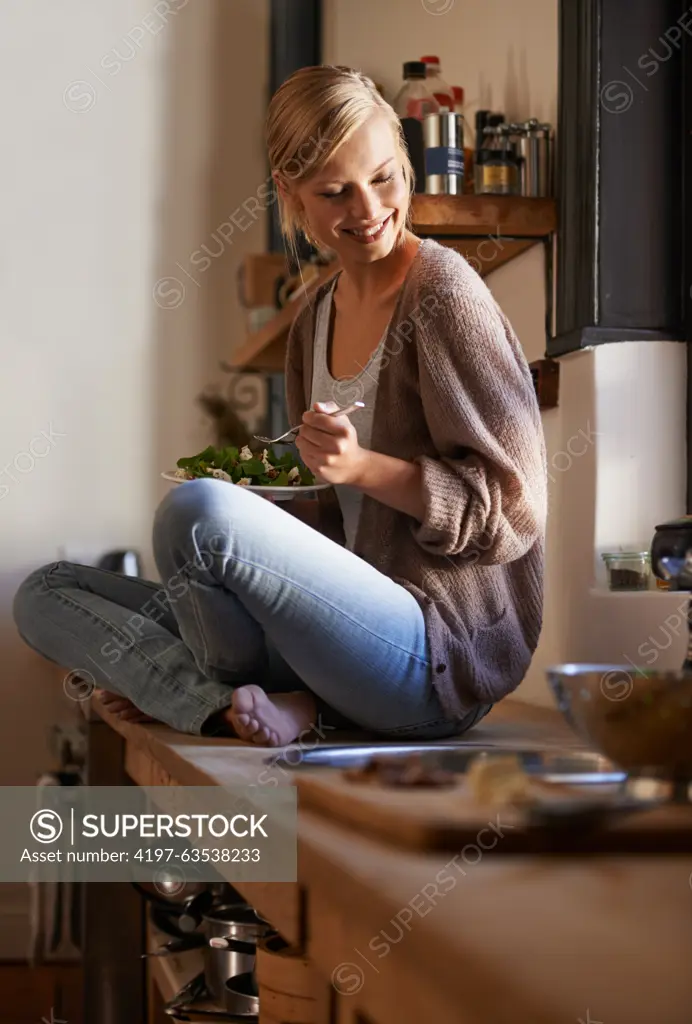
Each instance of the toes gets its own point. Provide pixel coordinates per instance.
(108, 697)
(135, 715)
(262, 735)
(242, 725)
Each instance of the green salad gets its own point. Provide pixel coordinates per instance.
(247, 468)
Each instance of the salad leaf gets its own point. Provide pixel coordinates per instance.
(228, 459)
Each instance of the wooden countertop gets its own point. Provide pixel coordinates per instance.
(205, 761)
(529, 940)
(409, 937)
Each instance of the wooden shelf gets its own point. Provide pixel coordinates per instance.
(504, 216)
(488, 231)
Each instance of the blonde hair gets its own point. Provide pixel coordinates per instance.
(310, 115)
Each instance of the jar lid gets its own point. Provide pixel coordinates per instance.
(430, 60)
(675, 524)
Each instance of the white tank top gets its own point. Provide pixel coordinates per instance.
(362, 388)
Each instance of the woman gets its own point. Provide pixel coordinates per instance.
(411, 600)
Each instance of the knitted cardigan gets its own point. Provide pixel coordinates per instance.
(456, 396)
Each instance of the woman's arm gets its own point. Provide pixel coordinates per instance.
(393, 482)
(329, 447)
(485, 493)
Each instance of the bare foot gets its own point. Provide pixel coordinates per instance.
(270, 721)
(121, 707)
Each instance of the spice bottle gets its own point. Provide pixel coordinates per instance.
(498, 170)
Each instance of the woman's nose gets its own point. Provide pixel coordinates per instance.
(365, 204)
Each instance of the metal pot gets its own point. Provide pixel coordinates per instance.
(241, 995)
(234, 921)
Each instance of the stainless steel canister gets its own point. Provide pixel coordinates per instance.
(443, 139)
(520, 140)
(534, 144)
(233, 922)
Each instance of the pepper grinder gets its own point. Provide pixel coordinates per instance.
(671, 560)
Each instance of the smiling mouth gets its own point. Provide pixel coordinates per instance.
(369, 235)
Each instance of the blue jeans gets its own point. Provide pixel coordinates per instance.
(249, 594)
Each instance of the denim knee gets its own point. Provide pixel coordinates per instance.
(25, 604)
(193, 518)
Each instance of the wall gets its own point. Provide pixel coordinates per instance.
(503, 54)
(122, 124)
(616, 444)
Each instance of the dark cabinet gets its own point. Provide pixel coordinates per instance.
(621, 260)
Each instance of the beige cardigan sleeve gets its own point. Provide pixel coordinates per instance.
(486, 495)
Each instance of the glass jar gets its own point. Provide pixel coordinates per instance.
(628, 570)
(497, 170)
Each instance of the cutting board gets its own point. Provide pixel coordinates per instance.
(449, 819)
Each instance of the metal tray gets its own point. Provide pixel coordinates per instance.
(572, 767)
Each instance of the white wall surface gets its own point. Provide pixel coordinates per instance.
(129, 136)
(504, 55)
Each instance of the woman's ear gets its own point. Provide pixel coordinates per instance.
(281, 186)
(287, 193)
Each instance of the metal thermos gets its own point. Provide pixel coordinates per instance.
(534, 146)
(443, 139)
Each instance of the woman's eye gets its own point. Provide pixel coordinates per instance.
(376, 181)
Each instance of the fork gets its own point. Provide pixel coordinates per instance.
(281, 439)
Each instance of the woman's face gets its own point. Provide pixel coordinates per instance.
(357, 203)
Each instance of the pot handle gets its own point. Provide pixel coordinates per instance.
(194, 909)
(234, 945)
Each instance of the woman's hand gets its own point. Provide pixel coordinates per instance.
(328, 446)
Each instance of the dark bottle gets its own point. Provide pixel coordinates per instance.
(498, 171)
(413, 102)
